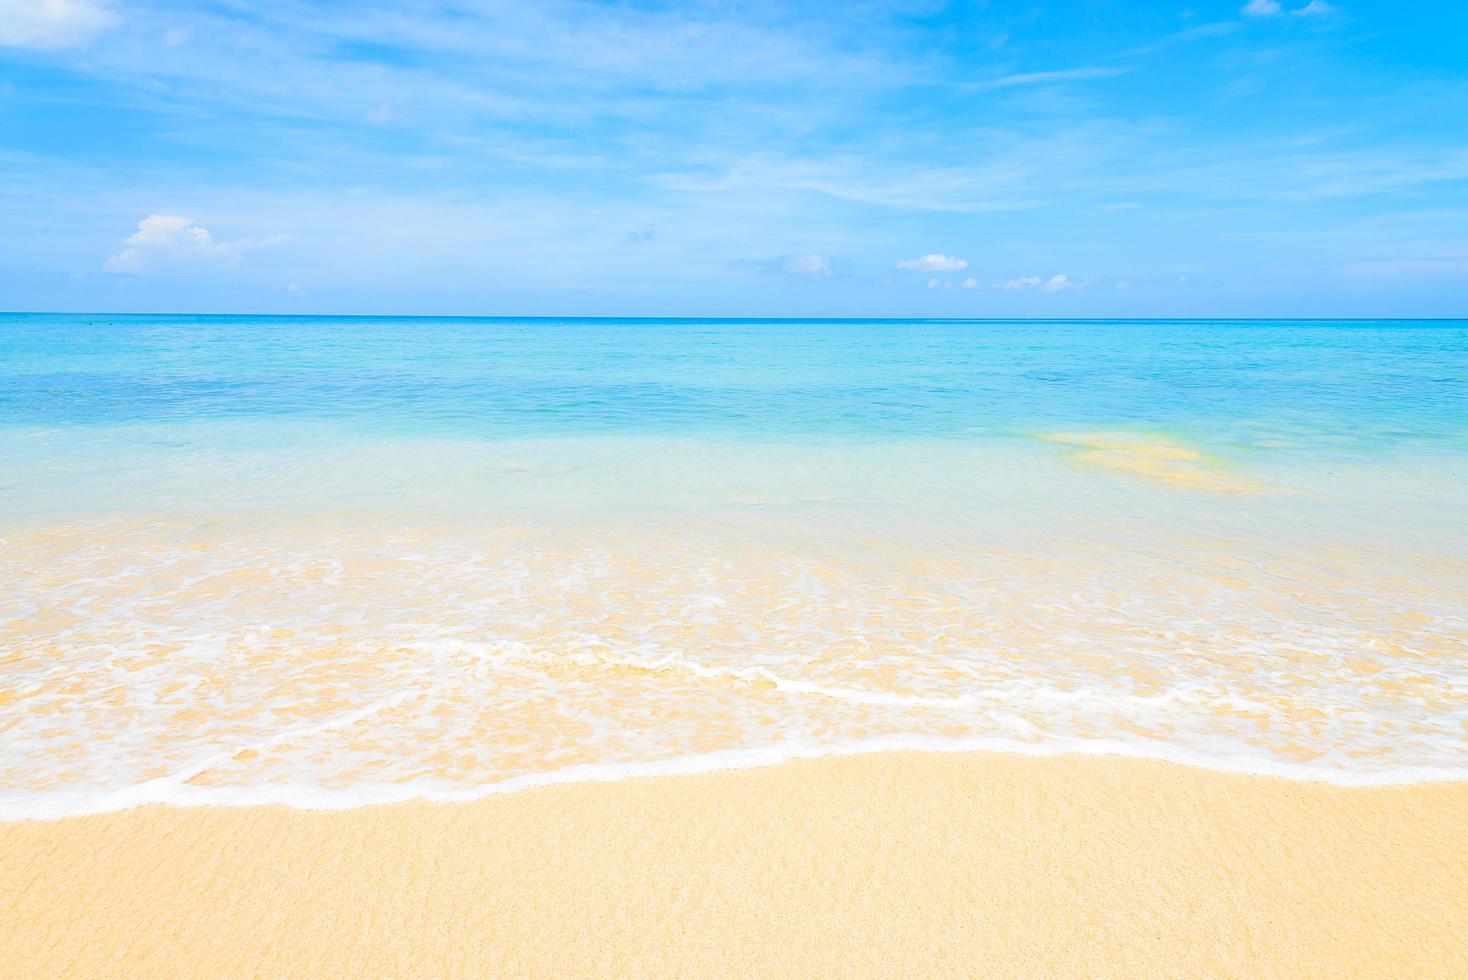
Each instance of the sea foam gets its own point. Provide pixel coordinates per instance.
(332, 663)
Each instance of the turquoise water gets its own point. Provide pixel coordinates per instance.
(331, 561)
(1346, 383)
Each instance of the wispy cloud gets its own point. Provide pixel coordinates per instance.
(1053, 77)
(1261, 8)
(1055, 284)
(809, 265)
(1198, 32)
(52, 23)
(1444, 267)
(1273, 8)
(999, 184)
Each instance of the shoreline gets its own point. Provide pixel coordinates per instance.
(900, 860)
(175, 791)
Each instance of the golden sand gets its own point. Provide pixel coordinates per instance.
(887, 864)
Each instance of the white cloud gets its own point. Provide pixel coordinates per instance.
(52, 23)
(808, 265)
(1260, 8)
(1315, 8)
(934, 262)
(970, 283)
(934, 282)
(1023, 282)
(1058, 282)
(169, 236)
(175, 37)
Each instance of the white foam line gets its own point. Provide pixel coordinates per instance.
(172, 791)
(675, 661)
(163, 788)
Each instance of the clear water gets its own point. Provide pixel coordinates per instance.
(492, 378)
(337, 560)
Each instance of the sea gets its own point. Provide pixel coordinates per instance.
(337, 561)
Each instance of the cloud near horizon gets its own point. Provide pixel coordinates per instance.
(808, 265)
(933, 262)
(1055, 284)
(169, 236)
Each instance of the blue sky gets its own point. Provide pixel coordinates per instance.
(1297, 157)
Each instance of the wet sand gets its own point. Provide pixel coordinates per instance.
(884, 864)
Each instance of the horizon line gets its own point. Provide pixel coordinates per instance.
(748, 318)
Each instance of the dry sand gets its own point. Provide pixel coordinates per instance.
(897, 863)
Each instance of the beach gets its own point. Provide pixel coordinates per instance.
(649, 647)
(642, 489)
(871, 865)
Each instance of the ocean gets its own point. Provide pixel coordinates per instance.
(331, 561)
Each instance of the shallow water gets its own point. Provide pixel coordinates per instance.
(327, 561)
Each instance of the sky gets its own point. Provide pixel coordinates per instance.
(924, 158)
